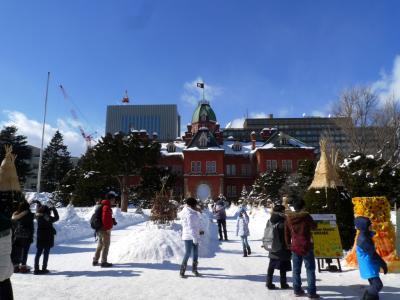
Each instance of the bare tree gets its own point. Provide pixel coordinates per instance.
(387, 129)
(358, 108)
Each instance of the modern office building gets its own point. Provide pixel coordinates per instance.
(162, 119)
(307, 129)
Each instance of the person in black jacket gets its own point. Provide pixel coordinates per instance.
(45, 236)
(280, 256)
(22, 220)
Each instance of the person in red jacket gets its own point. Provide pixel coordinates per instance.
(104, 234)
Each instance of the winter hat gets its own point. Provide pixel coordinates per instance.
(8, 173)
(111, 195)
(191, 202)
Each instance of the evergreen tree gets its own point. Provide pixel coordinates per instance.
(364, 175)
(297, 183)
(56, 163)
(244, 196)
(121, 156)
(267, 186)
(151, 183)
(9, 136)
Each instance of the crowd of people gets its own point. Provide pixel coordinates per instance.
(288, 239)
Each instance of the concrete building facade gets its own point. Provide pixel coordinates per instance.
(162, 119)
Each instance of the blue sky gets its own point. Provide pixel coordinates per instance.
(260, 57)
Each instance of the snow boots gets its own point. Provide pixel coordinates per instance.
(106, 265)
(284, 285)
(194, 269)
(368, 296)
(269, 283)
(248, 250)
(182, 271)
(244, 252)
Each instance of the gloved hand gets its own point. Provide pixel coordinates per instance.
(201, 232)
(114, 222)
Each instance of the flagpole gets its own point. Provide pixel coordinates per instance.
(41, 147)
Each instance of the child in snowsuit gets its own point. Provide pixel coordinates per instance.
(45, 236)
(280, 255)
(242, 230)
(369, 261)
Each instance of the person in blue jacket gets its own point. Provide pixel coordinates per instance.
(369, 262)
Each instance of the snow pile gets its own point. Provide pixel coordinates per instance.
(42, 197)
(159, 243)
(258, 219)
(74, 222)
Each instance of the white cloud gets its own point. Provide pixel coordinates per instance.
(192, 94)
(32, 129)
(389, 84)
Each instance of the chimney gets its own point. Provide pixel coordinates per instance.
(253, 140)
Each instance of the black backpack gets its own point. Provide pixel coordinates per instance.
(96, 221)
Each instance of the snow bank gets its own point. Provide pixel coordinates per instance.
(74, 222)
(42, 197)
(159, 243)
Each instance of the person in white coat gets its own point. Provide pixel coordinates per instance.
(191, 231)
(242, 230)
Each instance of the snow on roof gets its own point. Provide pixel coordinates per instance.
(246, 148)
(179, 146)
(143, 130)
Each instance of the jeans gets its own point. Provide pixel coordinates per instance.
(39, 251)
(6, 292)
(245, 243)
(103, 245)
(309, 263)
(222, 225)
(189, 245)
(375, 286)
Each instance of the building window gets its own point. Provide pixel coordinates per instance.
(246, 170)
(231, 170)
(231, 191)
(203, 140)
(211, 167)
(287, 165)
(272, 165)
(196, 167)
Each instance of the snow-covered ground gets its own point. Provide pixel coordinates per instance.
(141, 272)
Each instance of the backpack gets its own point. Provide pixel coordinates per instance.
(300, 245)
(96, 221)
(268, 236)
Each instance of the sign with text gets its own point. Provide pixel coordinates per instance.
(326, 237)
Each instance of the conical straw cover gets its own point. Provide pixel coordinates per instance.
(8, 173)
(325, 174)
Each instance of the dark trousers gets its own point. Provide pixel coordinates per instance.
(39, 251)
(6, 292)
(222, 226)
(270, 274)
(19, 254)
(375, 286)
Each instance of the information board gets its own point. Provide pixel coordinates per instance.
(326, 237)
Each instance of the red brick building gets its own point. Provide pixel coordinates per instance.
(209, 166)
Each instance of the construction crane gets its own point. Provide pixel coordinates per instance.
(89, 138)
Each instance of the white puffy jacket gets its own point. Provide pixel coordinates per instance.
(6, 267)
(191, 224)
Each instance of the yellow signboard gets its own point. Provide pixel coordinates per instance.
(326, 237)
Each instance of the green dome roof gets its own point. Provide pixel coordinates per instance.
(204, 108)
